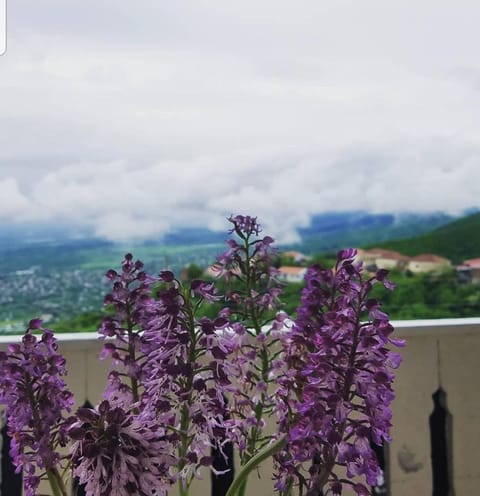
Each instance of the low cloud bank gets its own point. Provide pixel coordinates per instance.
(121, 201)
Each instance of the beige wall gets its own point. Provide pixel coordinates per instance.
(442, 353)
(419, 266)
(386, 263)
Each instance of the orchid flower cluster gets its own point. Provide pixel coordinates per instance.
(182, 384)
(336, 391)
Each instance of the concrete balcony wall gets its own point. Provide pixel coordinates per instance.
(442, 353)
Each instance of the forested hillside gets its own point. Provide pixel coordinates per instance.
(457, 241)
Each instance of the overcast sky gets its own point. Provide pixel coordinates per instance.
(134, 118)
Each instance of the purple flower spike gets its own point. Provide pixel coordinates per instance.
(36, 399)
(335, 397)
(134, 308)
(253, 300)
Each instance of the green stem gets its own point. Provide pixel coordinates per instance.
(54, 484)
(183, 488)
(243, 488)
(131, 353)
(184, 484)
(239, 483)
(182, 450)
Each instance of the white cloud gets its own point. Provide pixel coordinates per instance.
(122, 201)
(174, 114)
(12, 203)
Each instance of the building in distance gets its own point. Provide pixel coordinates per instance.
(288, 273)
(469, 271)
(378, 258)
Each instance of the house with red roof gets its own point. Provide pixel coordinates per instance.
(378, 258)
(469, 270)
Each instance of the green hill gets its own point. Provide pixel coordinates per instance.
(457, 241)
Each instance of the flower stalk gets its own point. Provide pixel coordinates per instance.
(238, 485)
(56, 483)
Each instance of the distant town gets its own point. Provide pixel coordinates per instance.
(59, 293)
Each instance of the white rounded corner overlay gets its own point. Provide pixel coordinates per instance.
(3, 26)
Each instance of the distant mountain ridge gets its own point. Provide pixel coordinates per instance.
(328, 229)
(329, 232)
(63, 247)
(457, 240)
